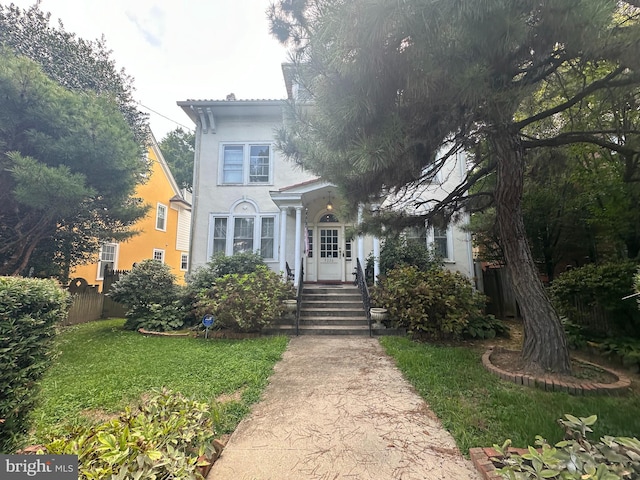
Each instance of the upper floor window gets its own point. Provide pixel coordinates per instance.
(161, 217)
(246, 164)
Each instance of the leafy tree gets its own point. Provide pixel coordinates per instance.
(394, 85)
(73, 62)
(68, 163)
(178, 149)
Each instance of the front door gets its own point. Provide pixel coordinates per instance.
(330, 254)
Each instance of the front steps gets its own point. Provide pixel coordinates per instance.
(328, 310)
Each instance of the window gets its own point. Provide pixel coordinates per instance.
(161, 217)
(246, 164)
(347, 250)
(184, 261)
(267, 237)
(158, 255)
(309, 242)
(441, 242)
(417, 234)
(107, 258)
(219, 235)
(243, 235)
(231, 235)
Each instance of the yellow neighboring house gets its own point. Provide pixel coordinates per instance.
(164, 232)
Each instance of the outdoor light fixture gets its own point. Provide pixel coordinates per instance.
(329, 204)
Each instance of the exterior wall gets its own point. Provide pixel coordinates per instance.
(214, 198)
(159, 188)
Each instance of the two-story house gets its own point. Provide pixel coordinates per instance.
(163, 233)
(247, 196)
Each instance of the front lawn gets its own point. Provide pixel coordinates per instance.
(479, 409)
(100, 368)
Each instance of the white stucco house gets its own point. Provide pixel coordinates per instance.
(247, 196)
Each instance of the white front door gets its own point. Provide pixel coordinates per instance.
(330, 254)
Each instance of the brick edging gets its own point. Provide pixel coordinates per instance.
(553, 385)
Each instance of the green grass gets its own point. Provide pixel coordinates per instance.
(99, 368)
(479, 409)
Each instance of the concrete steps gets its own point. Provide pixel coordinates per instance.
(328, 310)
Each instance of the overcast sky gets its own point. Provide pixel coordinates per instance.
(181, 49)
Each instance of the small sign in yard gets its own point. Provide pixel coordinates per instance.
(207, 321)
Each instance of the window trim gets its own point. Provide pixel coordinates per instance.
(246, 162)
(230, 233)
(161, 252)
(159, 207)
(184, 262)
(449, 236)
(116, 250)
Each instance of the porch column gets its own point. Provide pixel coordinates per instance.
(360, 238)
(376, 259)
(298, 249)
(283, 241)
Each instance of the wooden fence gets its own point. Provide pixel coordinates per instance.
(88, 304)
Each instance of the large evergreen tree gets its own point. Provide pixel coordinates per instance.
(178, 148)
(395, 83)
(68, 165)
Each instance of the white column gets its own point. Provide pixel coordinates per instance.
(376, 259)
(283, 241)
(298, 248)
(360, 238)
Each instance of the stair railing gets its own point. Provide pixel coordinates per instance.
(299, 296)
(361, 282)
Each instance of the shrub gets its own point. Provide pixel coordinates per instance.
(29, 309)
(220, 265)
(164, 438)
(574, 458)
(399, 251)
(578, 291)
(246, 302)
(437, 302)
(151, 296)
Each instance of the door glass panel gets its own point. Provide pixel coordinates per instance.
(328, 243)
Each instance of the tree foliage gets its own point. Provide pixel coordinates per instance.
(178, 148)
(398, 87)
(75, 63)
(68, 163)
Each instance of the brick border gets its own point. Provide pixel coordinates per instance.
(481, 459)
(553, 385)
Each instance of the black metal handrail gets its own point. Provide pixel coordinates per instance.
(361, 282)
(299, 296)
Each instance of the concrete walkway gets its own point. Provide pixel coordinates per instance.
(338, 408)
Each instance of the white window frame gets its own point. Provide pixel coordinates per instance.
(158, 252)
(449, 234)
(102, 263)
(184, 262)
(230, 233)
(161, 207)
(246, 162)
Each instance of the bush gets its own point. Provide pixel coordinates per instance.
(437, 302)
(151, 296)
(29, 309)
(220, 265)
(246, 302)
(603, 286)
(574, 458)
(164, 438)
(399, 251)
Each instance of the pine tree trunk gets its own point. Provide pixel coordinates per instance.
(544, 344)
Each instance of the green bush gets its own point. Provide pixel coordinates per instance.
(436, 302)
(220, 265)
(246, 302)
(164, 438)
(29, 309)
(612, 458)
(399, 251)
(601, 286)
(151, 296)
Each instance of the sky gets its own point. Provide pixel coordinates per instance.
(180, 49)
